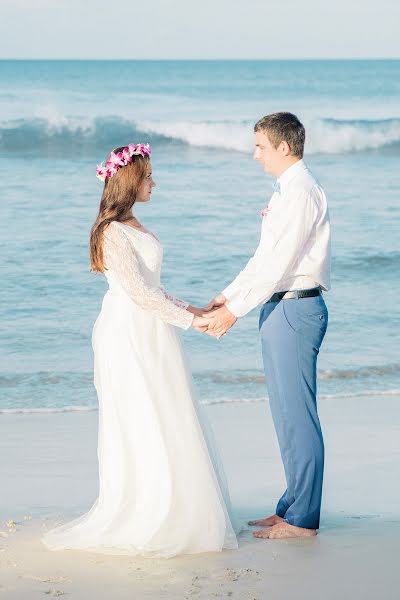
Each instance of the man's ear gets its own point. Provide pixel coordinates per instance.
(285, 148)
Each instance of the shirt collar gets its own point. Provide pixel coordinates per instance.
(291, 173)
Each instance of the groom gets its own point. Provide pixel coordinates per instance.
(286, 275)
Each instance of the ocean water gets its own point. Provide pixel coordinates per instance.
(58, 119)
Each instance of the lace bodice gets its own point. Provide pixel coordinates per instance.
(133, 260)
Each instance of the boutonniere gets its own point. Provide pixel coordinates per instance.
(265, 211)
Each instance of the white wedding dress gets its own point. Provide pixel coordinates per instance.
(162, 489)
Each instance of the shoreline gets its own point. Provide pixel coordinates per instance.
(375, 394)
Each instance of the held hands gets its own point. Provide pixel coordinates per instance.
(221, 320)
(197, 312)
(200, 321)
(216, 302)
(215, 319)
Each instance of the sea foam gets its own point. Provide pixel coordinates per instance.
(206, 402)
(324, 136)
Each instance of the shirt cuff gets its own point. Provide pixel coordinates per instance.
(228, 292)
(238, 308)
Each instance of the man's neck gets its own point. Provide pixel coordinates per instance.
(292, 160)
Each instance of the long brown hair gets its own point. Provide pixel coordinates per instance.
(119, 195)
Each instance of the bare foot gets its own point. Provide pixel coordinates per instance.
(268, 522)
(284, 530)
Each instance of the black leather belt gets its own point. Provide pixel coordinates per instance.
(295, 294)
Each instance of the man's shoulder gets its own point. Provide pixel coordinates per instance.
(304, 183)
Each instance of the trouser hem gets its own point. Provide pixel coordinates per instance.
(303, 523)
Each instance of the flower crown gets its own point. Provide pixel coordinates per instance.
(121, 159)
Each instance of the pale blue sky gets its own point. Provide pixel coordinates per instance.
(192, 29)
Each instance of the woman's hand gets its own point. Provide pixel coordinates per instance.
(200, 323)
(198, 312)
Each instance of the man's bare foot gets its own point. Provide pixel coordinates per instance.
(284, 530)
(268, 522)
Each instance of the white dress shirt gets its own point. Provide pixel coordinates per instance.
(294, 249)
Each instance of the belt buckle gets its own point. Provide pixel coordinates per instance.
(289, 295)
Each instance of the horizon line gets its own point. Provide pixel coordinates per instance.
(81, 59)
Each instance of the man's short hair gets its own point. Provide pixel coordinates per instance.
(284, 126)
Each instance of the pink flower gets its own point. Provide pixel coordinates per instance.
(126, 156)
(115, 159)
(100, 172)
(111, 170)
(131, 149)
(265, 211)
(145, 149)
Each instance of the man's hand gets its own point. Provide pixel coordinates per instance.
(216, 302)
(221, 320)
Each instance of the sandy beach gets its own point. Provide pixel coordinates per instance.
(49, 475)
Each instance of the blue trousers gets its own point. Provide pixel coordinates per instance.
(291, 332)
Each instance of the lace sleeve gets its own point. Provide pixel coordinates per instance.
(173, 299)
(120, 258)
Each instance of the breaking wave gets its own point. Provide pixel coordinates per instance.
(68, 136)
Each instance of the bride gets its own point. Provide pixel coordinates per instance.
(162, 490)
